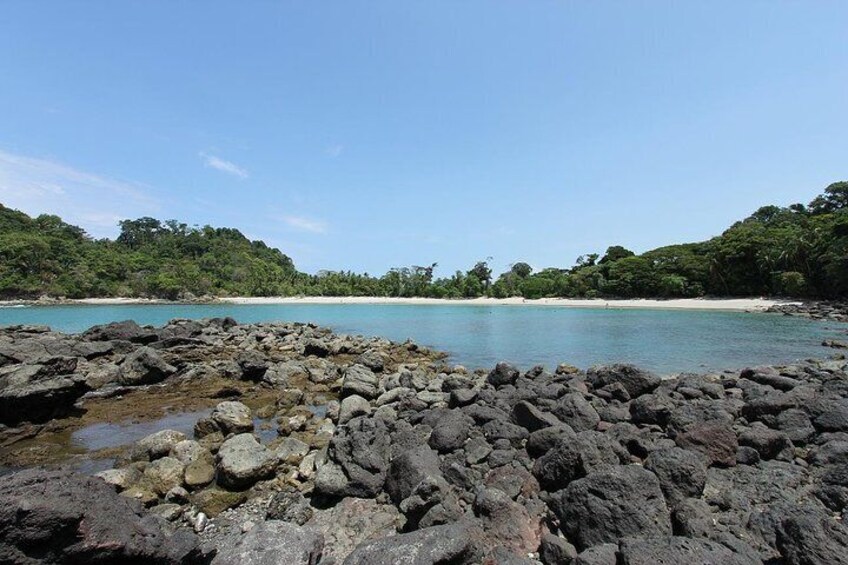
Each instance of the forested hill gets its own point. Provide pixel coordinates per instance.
(801, 250)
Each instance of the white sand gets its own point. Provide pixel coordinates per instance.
(729, 304)
(726, 304)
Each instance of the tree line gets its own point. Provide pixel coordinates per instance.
(800, 250)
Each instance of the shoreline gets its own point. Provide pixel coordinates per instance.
(709, 304)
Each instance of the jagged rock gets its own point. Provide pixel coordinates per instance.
(63, 517)
(28, 394)
(574, 410)
(507, 523)
(289, 505)
(360, 380)
(681, 473)
(128, 330)
(358, 458)
(353, 406)
(528, 416)
(144, 366)
(636, 381)
(575, 457)
(409, 469)
(714, 440)
(450, 430)
(612, 503)
(502, 374)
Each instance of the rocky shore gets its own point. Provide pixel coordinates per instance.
(384, 453)
(815, 310)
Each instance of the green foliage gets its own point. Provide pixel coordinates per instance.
(795, 251)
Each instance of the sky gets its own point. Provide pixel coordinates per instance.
(370, 135)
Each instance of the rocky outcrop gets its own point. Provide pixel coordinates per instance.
(62, 517)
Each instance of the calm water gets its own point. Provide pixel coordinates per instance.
(479, 336)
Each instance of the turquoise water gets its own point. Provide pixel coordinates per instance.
(666, 341)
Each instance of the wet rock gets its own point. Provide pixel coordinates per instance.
(273, 541)
(440, 544)
(242, 461)
(612, 503)
(63, 517)
(144, 366)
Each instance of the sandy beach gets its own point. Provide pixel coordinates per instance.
(725, 304)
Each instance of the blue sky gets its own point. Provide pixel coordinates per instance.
(367, 135)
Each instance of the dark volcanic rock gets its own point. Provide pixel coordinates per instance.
(144, 366)
(358, 458)
(677, 549)
(450, 430)
(452, 544)
(610, 504)
(681, 473)
(409, 469)
(714, 440)
(573, 409)
(26, 394)
(503, 374)
(528, 416)
(575, 457)
(636, 381)
(63, 517)
(128, 330)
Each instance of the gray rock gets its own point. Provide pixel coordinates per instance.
(357, 460)
(541, 441)
(440, 544)
(573, 409)
(528, 416)
(575, 457)
(289, 505)
(612, 503)
(675, 549)
(409, 469)
(144, 366)
(603, 554)
(156, 445)
(502, 374)
(353, 406)
(128, 330)
(450, 430)
(292, 450)
(273, 542)
(360, 380)
(507, 523)
(164, 474)
(636, 381)
(681, 473)
(232, 417)
(242, 461)
(28, 394)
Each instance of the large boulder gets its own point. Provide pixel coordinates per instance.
(127, 330)
(232, 417)
(357, 460)
(575, 457)
(503, 374)
(450, 430)
(715, 440)
(507, 523)
(408, 470)
(682, 473)
(528, 416)
(31, 393)
(272, 542)
(573, 409)
(144, 366)
(242, 461)
(63, 517)
(636, 381)
(452, 544)
(360, 380)
(610, 504)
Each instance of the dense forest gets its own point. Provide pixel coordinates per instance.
(801, 250)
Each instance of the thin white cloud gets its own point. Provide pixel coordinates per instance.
(94, 202)
(224, 166)
(305, 224)
(334, 150)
